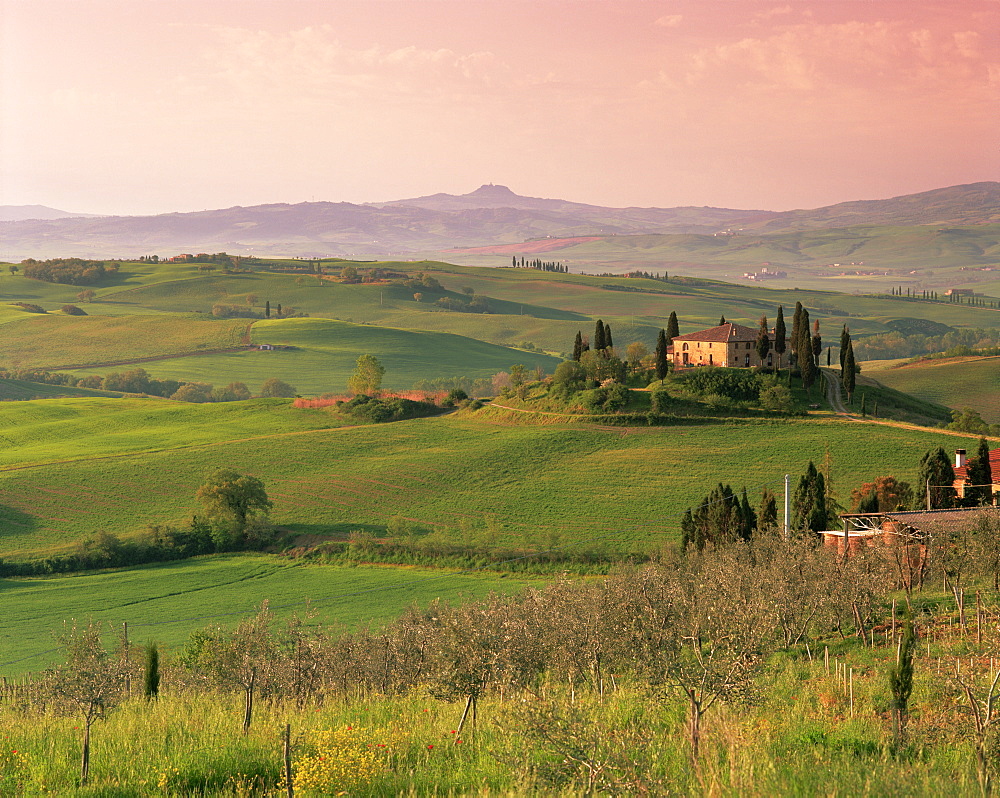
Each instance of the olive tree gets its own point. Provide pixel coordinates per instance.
(88, 684)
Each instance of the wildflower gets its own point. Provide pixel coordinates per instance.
(429, 747)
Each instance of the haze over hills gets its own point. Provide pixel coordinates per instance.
(19, 213)
(490, 215)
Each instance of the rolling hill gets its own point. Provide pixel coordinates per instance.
(957, 382)
(489, 215)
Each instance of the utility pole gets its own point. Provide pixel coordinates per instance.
(788, 533)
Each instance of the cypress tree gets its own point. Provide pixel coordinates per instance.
(809, 501)
(722, 320)
(689, 532)
(267, 309)
(848, 377)
(673, 328)
(599, 344)
(796, 328)
(817, 342)
(768, 510)
(979, 472)
(763, 345)
(779, 335)
(806, 358)
(936, 470)
(661, 355)
(749, 518)
(845, 339)
(608, 341)
(863, 413)
(901, 682)
(578, 345)
(828, 350)
(151, 676)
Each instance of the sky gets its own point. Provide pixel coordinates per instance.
(153, 106)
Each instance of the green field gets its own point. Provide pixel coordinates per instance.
(21, 390)
(325, 354)
(56, 341)
(73, 468)
(167, 602)
(958, 382)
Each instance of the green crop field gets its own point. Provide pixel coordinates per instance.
(52, 341)
(544, 485)
(956, 382)
(166, 602)
(325, 353)
(21, 390)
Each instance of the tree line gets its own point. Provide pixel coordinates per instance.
(69, 271)
(540, 265)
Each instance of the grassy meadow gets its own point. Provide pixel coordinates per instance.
(957, 382)
(74, 467)
(168, 601)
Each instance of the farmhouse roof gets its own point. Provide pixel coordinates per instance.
(952, 520)
(962, 472)
(723, 334)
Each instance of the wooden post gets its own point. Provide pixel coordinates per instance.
(128, 671)
(289, 787)
(979, 618)
(894, 619)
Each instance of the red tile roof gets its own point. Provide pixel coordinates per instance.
(723, 333)
(962, 471)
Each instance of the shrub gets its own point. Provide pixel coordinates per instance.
(659, 400)
(608, 400)
(73, 310)
(776, 397)
(29, 307)
(736, 384)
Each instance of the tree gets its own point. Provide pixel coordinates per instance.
(804, 353)
(796, 328)
(763, 345)
(779, 335)
(252, 299)
(267, 309)
(768, 516)
(273, 388)
(845, 339)
(722, 320)
(608, 340)
(809, 501)
(86, 295)
(234, 499)
(245, 658)
(885, 494)
(673, 328)
(848, 373)
(600, 343)
(635, 353)
(367, 377)
(13, 269)
(938, 477)
(578, 345)
(349, 273)
(979, 474)
(901, 682)
(89, 683)
(661, 353)
(151, 676)
(817, 342)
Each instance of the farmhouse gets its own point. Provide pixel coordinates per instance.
(904, 535)
(962, 471)
(725, 345)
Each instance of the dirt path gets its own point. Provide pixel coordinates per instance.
(837, 402)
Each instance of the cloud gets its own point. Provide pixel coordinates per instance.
(669, 21)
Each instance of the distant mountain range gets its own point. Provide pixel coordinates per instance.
(19, 213)
(489, 216)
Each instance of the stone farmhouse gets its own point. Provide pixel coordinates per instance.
(725, 345)
(962, 471)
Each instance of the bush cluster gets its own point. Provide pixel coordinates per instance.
(375, 410)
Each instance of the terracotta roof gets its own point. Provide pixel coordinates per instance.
(723, 333)
(958, 520)
(962, 471)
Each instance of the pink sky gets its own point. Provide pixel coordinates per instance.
(148, 106)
